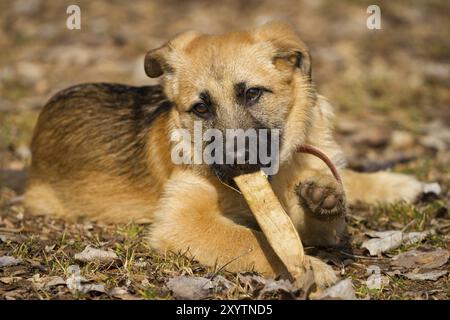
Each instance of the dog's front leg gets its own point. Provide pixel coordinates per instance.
(189, 218)
(316, 202)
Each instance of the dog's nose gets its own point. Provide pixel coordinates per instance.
(242, 156)
(233, 158)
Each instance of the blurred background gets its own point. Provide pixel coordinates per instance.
(389, 87)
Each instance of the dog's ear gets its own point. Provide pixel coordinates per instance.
(155, 62)
(164, 59)
(289, 50)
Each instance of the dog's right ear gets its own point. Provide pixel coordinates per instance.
(155, 62)
(164, 59)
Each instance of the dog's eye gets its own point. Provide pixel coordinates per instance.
(201, 109)
(252, 95)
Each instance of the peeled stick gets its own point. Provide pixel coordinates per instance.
(274, 221)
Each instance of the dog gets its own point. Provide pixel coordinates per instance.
(104, 151)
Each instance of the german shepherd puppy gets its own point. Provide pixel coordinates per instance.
(103, 151)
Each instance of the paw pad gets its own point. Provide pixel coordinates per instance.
(324, 201)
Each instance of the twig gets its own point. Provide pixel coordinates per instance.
(226, 264)
(8, 230)
(357, 256)
(442, 227)
(408, 224)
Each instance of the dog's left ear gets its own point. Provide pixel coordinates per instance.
(290, 51)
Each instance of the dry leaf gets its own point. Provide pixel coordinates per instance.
(46, 282)
(86, 288)
(7, 261)
(77, 283)
(73, 281)
(422, 259)
(13, 295)
(3, 237)
(437, 137)
(256, 282)
(195, 288)
(401, 140)
(273, 286)
(9, 280)
(389, 240)
(376, 280)
(123, 294)
(54, 281)
(343, 290)
(49, 248)
(432, 275)
(251, 280)
(92, 254)
(384, 241)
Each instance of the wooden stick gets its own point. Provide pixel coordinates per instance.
(274, 223)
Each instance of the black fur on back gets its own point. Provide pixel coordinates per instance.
(101, 122)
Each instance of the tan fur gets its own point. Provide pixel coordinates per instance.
(76, 173)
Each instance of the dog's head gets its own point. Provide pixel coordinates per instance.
(258, 79)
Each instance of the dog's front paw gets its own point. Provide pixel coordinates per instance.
(323, 197)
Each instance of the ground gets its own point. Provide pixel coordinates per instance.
(389, 87)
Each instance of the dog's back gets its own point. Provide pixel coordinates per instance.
(90, 141)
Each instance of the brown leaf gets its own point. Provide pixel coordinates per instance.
(7, 261)
(432, 275)
(388, 240)
(123, 294)
(273, 286)
(93, 254)
(422, 259)
(54, 281)
(376, 280)
(343, 290)
(437, 136)
(251, 280)
(9, 280)
(195, 288)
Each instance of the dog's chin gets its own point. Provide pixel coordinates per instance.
(226, 173)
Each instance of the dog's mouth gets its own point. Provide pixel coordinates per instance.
(228, 172)
(260, 152)
(225, 173)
